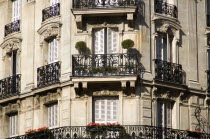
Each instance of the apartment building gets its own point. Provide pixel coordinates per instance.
(158, 88)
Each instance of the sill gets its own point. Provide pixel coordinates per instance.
(52, 19)
(157, 16)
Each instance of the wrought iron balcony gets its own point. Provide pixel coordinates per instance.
(167, 71)
(10, 86)
(129, 132)
(49, 74)
(88, 4)
(165, 8)
(12, 27)
(105, 65)
(51, 11)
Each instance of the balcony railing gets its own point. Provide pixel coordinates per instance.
(129, 132)
(51, 11)
(167, 71)
(10, 86)
(49, 74)
(88, 4)
(165, 8)
(105, 65)
(12, 27)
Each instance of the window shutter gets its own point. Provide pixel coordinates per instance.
(168, 115)
(159, 47)
(112, 38)
(99, 41)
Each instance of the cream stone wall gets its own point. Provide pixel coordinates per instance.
(138, 108)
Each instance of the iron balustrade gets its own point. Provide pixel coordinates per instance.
(10, 86)
(12, 27)
(165, 8)
(88, 4)
(105, 64)
(129, 132)
(51, 11)
(167, 71)
(48, 74)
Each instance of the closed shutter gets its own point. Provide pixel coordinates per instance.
(53, 51)
(15, 10)
(13, 120)
(112, 39)
(168, 114)
(99, 41)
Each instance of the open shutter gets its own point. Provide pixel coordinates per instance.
(112, 39)
(99, 41)
(159, 47)
(168, 116)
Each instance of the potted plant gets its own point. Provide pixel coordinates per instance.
(111, 69)
(40, 133)
(127, 44)
(81, 46)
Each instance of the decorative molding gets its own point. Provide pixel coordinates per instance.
(37, 101)
(51, 97)
(12, 108)
(106, 93)
(50, 30)
(12, 44)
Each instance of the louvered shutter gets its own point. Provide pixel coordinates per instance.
(168, 114)
(99, 41)
(164, 49)
(159, 47)
(112, 39)
(160, 112)
(15, 10)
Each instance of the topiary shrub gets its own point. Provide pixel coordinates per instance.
(81, 46)
(126, 44)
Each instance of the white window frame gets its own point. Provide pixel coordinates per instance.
(15, 10)
(113, 118)
(52, 116)
(52, 51)
(13, 125)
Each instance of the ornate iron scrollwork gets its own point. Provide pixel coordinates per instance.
(12, 27)
(202, 122)
(105, 64)
(167, 71)
(51, 11)
(10, 86)
(85, 4)
(48, 74)
(165, 8)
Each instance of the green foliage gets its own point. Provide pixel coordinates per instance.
(81, 46)
(126, 44)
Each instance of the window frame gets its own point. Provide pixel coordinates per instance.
(13, 123)
(52, 115)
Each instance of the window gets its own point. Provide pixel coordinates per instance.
(208, 61)
(53, 51)
(166, 48)
(52, 115)
(53, 2)
(208, 12)
(13, 125)
(105, 41)
(11, 64)
(106, 110)
(15, 10)
(164, 111)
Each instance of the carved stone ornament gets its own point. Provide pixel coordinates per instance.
(12, 108)
(106, 93)
(50, 30)
(12, 44)
(166, 94)
(51, 98)
(37, 101)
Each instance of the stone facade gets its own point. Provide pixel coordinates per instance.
(137, 94)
